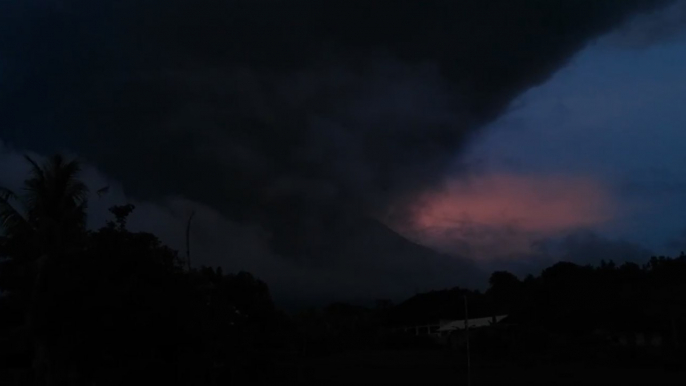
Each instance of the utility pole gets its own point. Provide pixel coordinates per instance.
(466, 325)
(188, 240)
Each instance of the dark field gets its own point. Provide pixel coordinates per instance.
(443, 368)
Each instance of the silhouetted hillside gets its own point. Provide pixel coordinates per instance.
(385, 265)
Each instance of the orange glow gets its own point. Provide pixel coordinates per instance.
(506, 209)
(545, 204)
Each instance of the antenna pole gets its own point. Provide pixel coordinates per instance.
(188, 240)
(469, 361)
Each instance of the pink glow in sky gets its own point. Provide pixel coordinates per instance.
(505, 213)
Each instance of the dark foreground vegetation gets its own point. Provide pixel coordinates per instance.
(115, 307)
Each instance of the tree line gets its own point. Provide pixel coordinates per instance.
(112, 306)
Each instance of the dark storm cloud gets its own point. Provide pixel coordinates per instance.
(659, 26)
(298, 114)
(14, 168)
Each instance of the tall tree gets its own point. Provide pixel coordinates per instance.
(49, 219)
(41, 227)
(52, 211)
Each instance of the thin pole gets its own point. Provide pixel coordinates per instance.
(188, 240)
(469, 362)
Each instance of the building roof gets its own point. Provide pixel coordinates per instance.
(477, 322)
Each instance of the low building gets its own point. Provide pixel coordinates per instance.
(445, 327)
(449, 326)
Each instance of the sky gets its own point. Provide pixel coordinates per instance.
(597, 148)
(496, 135)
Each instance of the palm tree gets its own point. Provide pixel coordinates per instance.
(44, 228)
(53, 208)
(51, 215)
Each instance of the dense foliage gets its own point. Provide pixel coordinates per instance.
(113, 306)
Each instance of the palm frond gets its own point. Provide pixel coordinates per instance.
(71, 168)
(102, 191)
(11, 220)
(36, 169)
(7, 194)
(77, 190)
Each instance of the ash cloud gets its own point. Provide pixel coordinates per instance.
(373, 263)
(662, 25)
(301, 116)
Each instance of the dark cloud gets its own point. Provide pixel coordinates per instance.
(374, 262)
(14, 168)
(301, 115)
(659, 26)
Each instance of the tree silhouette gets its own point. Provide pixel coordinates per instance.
(115, 306)
(504, 291)
(46, 226)
(50, 217)
(121, 214)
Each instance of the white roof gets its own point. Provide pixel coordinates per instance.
(478, 322)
